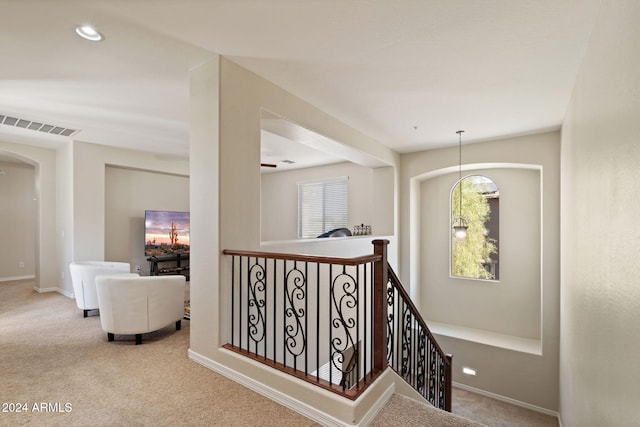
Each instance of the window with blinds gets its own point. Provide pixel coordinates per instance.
(322, 206)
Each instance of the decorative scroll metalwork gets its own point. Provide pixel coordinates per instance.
(405, 369)
(306, 316)
(442, 381)
(344, 297)
(390, 323)
(294, 310)
(432, 373)
(256, 294)
(421, 372)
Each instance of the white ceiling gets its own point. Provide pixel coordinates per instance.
(408, 73)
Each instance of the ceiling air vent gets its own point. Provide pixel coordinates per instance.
(37, 126)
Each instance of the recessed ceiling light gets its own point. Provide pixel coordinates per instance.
(89, 33)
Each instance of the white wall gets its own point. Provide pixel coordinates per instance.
(204, 187)
(128, 193)
(64, 215)
(600, 372)
(517, 361)
(17, 221)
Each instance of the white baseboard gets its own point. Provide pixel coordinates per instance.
(380, 403)
(285, 399)
(509, 400)
(11, 279)
(54, 289)
(61, 291)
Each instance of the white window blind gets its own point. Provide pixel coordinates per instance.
(322, 206)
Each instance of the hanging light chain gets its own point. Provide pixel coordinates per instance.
(460, 225)
(460, 173)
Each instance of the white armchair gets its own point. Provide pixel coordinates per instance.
(140, 304)
(83, 275)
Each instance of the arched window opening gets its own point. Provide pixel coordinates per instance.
(476, 198)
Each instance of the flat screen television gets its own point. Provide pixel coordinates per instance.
(166, 232)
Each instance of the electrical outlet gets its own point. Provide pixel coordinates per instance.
(21, 264)
(62, 275)
(137, 269)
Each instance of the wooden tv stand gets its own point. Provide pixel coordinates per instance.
(164, 265)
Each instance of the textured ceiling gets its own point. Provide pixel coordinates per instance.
(407, 73)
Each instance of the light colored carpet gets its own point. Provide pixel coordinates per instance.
(50, 354)
(495, 413)
(402, 411)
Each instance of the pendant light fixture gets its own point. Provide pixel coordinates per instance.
(459, 223)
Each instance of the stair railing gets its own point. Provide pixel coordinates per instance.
(412, 350)
(324, 320)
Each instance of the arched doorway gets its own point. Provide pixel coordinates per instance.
(18, 218)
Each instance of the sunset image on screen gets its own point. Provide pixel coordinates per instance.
(166, 232)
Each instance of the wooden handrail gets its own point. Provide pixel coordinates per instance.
(364, 259)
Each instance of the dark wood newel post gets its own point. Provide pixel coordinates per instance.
(380, 280)
(449, 382)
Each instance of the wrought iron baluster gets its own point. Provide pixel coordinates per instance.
(344, 320)
(330, 317)
(256, 297)
(357, 353)
(317, 321)
(390, 321)
(397, 332)
(432, 374)
(295, 291)
(248, 302)
(233, 292)
(275, 310)
(442, 378)
(367, 322)
(306, 318)
(284, 313)
(422, 338)
(406, 342)
(240, 304)
(266, 306)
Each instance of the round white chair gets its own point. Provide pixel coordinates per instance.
(83, 277)
(134, 305)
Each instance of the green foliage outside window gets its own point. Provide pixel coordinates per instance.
(470, 255)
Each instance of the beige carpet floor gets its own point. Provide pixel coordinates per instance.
(50, 354)
(495, 413)
(60, 368)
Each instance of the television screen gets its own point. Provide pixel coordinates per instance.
(166, 232)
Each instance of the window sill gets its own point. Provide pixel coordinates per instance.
(480, 336)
